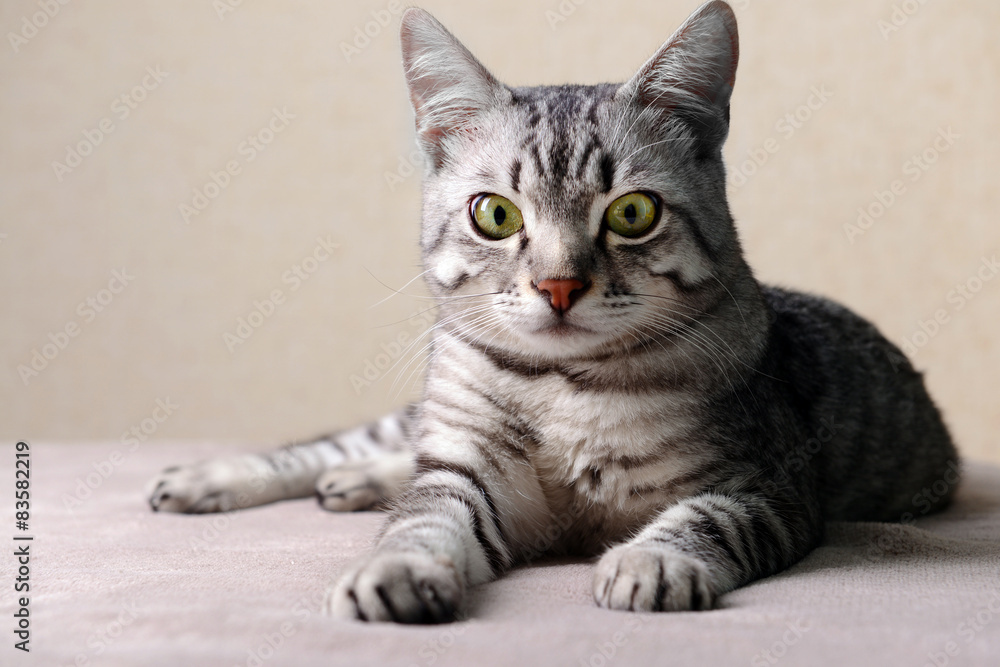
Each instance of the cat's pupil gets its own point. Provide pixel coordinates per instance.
(630, 214)
(499, 215)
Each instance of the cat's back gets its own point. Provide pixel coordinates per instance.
(875, 438)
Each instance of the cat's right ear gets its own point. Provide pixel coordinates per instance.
(698, 61)
(449, 88)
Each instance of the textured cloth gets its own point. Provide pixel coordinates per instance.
(114, 584)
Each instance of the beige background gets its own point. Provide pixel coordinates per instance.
(162, 336)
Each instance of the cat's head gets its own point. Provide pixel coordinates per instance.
(570, 221)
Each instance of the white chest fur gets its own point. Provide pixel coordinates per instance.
(605, 445)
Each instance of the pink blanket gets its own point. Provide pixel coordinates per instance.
(111, 583)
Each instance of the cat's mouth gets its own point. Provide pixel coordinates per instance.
(562, 329)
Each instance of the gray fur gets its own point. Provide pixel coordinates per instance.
(687, 425)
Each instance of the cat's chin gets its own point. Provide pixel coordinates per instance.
(562, 341)
(562, 330)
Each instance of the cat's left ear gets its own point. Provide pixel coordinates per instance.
(696, 65)
(449, 88)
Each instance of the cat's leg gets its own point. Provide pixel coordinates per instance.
(703, 547)
(467, 515)
(227, 483)
(247, 480)
(366, 484)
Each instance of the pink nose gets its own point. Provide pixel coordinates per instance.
(561, 292)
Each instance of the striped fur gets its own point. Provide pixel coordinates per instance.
(688, 427)
(348, 470)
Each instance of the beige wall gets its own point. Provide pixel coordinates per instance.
(347, 124)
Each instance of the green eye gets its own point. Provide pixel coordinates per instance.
(496, 216)
(631, 215)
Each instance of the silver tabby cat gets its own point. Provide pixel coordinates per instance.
(607, 378)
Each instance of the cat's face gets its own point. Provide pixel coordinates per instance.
(573, 221)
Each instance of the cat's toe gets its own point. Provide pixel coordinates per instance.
(194, 489)
(650, 578)
(347, 489)
(399, 587)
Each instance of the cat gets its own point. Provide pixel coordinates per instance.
(607, 378)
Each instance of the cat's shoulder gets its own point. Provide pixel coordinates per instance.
(813, 331)
(803, 310)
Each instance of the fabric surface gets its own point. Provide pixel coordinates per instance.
(115, 584)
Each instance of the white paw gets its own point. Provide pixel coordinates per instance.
(651, 578)
(405, 587)
(348, 488)
(218, 485)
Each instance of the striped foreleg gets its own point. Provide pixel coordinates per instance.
(443, 536)
(247, 480)
(703, 547)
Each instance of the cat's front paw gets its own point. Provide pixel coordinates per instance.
(405, 587)
(651, 578)
(348, 488)
(217, 485)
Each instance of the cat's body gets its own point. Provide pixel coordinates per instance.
(606, 375)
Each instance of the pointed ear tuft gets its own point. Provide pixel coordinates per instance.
(449, 88)
(697, 64)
